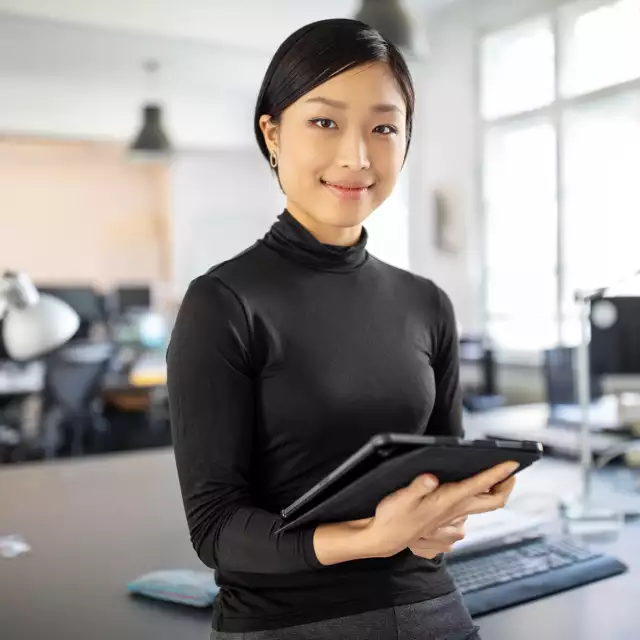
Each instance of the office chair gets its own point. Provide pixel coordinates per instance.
(72, 394)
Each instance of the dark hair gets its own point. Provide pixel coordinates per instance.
(317, 52)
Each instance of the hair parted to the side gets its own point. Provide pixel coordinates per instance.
(317, 52)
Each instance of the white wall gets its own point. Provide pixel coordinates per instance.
(389, 227)
(443, 160)
(222, 202)
(68, 108)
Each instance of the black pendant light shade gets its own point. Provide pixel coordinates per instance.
(151, 142)
(152, 138)
(390, 19)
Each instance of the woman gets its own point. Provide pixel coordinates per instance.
(288, 357)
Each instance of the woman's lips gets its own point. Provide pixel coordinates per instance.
(347, 190)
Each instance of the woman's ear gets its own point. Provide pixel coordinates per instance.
(269, 130)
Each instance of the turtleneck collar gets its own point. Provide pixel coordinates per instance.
(292, 240)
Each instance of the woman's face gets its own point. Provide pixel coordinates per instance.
(341, 146)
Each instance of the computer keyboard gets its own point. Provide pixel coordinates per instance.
(527, 570)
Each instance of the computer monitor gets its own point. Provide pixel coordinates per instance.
(615, 336)
(3, 350)
(560, 378)
(131, 299)
(85, 300)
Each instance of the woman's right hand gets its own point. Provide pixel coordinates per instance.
(423, 506)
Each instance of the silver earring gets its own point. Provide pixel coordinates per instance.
(273, 160)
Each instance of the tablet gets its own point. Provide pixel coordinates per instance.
(390, 461)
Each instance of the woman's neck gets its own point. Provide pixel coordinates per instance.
(325, 233)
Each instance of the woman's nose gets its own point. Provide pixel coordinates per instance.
(354, 152)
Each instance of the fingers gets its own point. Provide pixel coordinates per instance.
(494, 499)
(486, 491)
(450, 534)
(441, 541)
(424, 552)
(422, 486)
(506, 486)
(457, 499)
(447, 534)
(483, 482)
(430, 548)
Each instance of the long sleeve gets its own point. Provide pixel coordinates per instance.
(212, 409)
(446, 417)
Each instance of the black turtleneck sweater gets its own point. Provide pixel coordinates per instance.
(282, 362)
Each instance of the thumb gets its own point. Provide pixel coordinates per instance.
(423, 485)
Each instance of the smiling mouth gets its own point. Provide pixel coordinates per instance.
(348, 188)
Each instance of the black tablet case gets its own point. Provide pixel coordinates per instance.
(447, 463)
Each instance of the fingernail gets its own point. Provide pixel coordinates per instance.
(511, 466)
(430, 482)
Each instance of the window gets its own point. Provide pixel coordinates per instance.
(600, 45)
(517, 69)
(521, 219)
(593, 126)
(601, 221)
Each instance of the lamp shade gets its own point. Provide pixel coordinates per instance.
(35, 330)
(390, 19)
(151, 140)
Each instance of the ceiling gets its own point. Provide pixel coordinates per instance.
(75, 67)
(250, 24)
(43, 50)
(207, 46)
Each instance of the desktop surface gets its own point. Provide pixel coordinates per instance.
(95, 524)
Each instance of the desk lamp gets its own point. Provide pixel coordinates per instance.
(584, 515)
(34, 324)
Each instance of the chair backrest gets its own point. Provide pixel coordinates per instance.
(74, 375)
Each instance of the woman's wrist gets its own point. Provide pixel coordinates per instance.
(344, 541)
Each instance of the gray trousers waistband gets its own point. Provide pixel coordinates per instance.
(443, 618)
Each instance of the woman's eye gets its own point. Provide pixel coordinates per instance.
(385, 129)
(324, 123)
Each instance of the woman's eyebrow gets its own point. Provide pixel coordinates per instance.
(338, 104)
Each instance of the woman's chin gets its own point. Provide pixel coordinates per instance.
(346, 213)
(345, 219)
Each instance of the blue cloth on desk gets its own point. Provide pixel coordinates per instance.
(184, 586)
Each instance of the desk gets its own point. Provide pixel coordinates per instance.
(94, 524)
(601, 611)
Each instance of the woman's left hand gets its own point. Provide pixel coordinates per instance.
(447, 535)
(441, 541)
